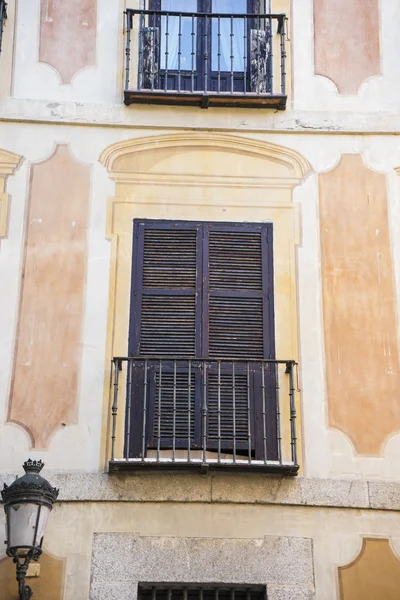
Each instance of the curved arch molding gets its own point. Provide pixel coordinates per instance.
(346, 42)
(359, 305)
(9, 162)
(375, 573)
(294, 166)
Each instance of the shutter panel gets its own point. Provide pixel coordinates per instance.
(165, 299)
(235, 294)
(238, 307)
(165, 321)
(228, 409)
(185, 420)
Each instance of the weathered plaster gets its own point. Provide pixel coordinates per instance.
(359, 305)
(47, 356)
(68, 35)
(346, 36)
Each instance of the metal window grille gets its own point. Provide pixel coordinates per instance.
(168, 591)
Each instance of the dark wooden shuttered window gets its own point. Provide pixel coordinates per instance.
(200, 291)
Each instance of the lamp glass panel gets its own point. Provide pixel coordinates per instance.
(22, 524)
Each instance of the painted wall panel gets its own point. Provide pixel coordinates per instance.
(375, 573)
(359, 305)
(47, 355)
(346, 36)
(68, 35)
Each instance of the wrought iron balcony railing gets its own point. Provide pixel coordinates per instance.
(205, 59)
(180, 413)
(3, 17)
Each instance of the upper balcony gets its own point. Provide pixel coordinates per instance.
(205, 58)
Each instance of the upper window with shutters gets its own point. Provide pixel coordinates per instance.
(206, 52)
(202, 380)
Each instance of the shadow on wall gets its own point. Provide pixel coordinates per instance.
(48, 586)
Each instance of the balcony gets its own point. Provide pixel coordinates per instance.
(3, 17)
(205, 59)
(180, 413)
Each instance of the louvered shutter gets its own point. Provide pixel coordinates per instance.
(238, 324)
(202, 291)
(165, 324)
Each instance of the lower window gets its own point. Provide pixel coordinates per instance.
(161, 591)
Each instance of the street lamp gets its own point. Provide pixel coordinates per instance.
(27, 504)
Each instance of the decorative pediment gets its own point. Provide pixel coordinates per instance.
(151, 155)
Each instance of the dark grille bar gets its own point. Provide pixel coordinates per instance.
(3, 17)
(169, 591)
(210, 413)
(205, 59)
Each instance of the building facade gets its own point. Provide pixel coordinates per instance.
(199, 250)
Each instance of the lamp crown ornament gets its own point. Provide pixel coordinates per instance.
(31, 486)
(33, 466)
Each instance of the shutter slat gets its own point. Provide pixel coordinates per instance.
(236, 328)
(169, 260)
(235, 261)
(167, 407)
(226, 406)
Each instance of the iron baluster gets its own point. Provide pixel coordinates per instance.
(128, 47)
(293, 437)
(258, 55)
(189, 406)
(219, 54)
(245, 66)
(193, 54)
(278, 414)
(271, 58)
(204, 413)
(219, 411)
(283, 55)
(264, 412)
(141, 51)
(234, 410)
(159, 411)
(129, 408)
(248, 410)
(179, 52)
(174, 415)
(232, 55)
(205, 53)
(166, 53)
(114, 410)
(152, 32)
(144, 409)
